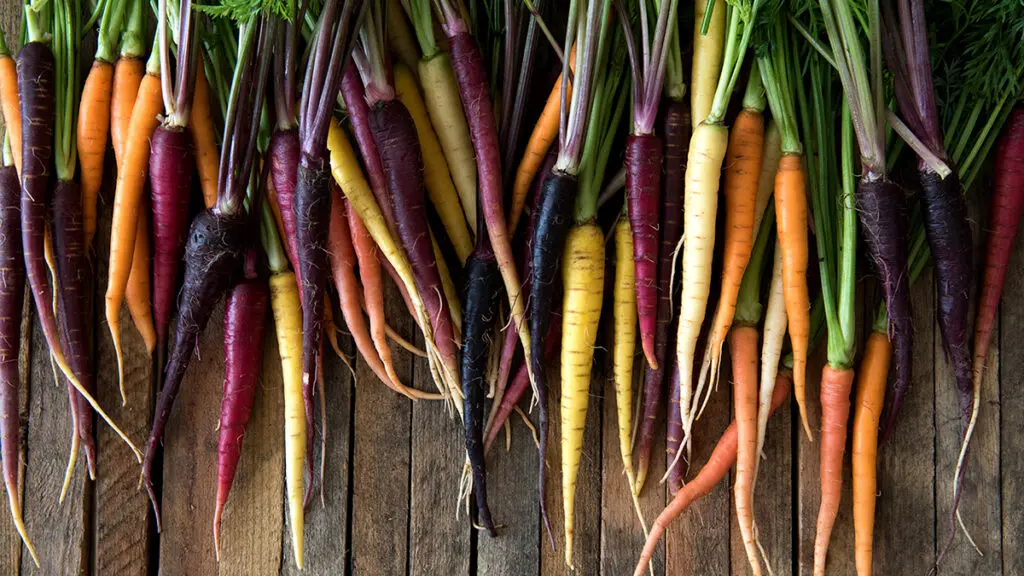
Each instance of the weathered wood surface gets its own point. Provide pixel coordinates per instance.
(392, 468)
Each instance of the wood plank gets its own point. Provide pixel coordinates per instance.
(439, 537)
(252, 524)
(122, 514)
(59, 530)
(773, 500)
(587, 535)
(1011, 365)
(840, 553)
(325, 537)
(980, 504)
(698, 542)
(190, 459)
(622, 538)
(513, 498)
(904, 540)
(381, 460)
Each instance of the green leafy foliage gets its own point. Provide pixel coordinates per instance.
(242, 10)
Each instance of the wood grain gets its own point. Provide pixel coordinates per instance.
(252, 525)
(511, 482)
(190, 459)
(1011, 410)
(59, 530)
(381, 461)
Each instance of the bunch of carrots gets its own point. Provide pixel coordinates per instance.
(298, 154)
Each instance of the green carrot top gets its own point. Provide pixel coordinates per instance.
(65, 52)
(423, 25)
(748, 301)
(743, 17)
(133, 36)
(109, 29)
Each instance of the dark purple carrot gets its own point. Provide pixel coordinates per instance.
(354, 94)
(170, 177)
(676, 128)
(244, 315)
(36, 87)
(881, 211)
(213, 255)
(12, 295)
(674, 433)
(284, 158)
(480, 310)
(72, 279)
(218, 235)
(395, 136)
(643, 193)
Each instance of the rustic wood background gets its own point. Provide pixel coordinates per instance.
(388, 504)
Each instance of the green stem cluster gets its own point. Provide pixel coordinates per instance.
(423, 25)
(65, 52)
(748, 300)
(109, 29)
(741, 23)
(276, 259)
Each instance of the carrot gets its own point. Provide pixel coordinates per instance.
(131, 179)
(624, 348)
(708, 45)
(476, 101)
(12, 293)
(545, 131)
(835, 412)
(874, 371)
(674, 433)
(583, 277)
(10, 103)
(200, 127)
(676, 128)
(244, 315)
(643, 192)
(359, 116)
(718, 465)
(217, 237)
(436, 176)
(769, 166)
(93, 127)
(743, 350)
(740, 188)
(791, 214)
(137, 293)
(775, 322)
(128, 75)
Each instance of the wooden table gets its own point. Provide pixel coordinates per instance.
(391, 471)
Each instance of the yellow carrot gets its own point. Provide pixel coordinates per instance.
(436, 176)
(444, 104)
(583, 278)
(707, 59)
(284, 301)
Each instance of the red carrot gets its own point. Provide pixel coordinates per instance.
(643, 192)
(244, 315)
(359, 116)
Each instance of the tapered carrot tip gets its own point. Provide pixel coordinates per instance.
(115, 334)
(19, 524)
(647, 340)
(216, 530)
(641, 474)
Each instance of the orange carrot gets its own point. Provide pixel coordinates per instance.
(742, 173)
(716, 468)
(131, 180)
(835, 413)
(93, 126)
(874, 371)
(743, 348)
(11, 105)
(137, 294)
(544, 133)
(128, 73)
(200, 125)
(791, 217)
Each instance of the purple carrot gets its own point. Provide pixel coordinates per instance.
(881, 211)
(395, 135)
(284, 157)
(72, 278)
(354, 94)
(244, 315)
(12, 296)
(643, 192)
(170, 176)
(674, 434)
(677, 142)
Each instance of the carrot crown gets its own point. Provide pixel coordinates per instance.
(371, 58)
(109, 29)
(649, 63)
(65, 52)
(132, 44)
(774, 57)
(177, 93)
(423, 26)
(38, 16)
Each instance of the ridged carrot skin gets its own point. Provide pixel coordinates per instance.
(170, 175)
(128, 73)
(718, 465)
(583, 277)
(882, 213)
(72, 277)
(835, 413)
(284, 157)
(244, 315)
(676, 130)
(643, 193)
(93, 126)
(12, 295)
(791, 216)
(212, 258)
(874, 371)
